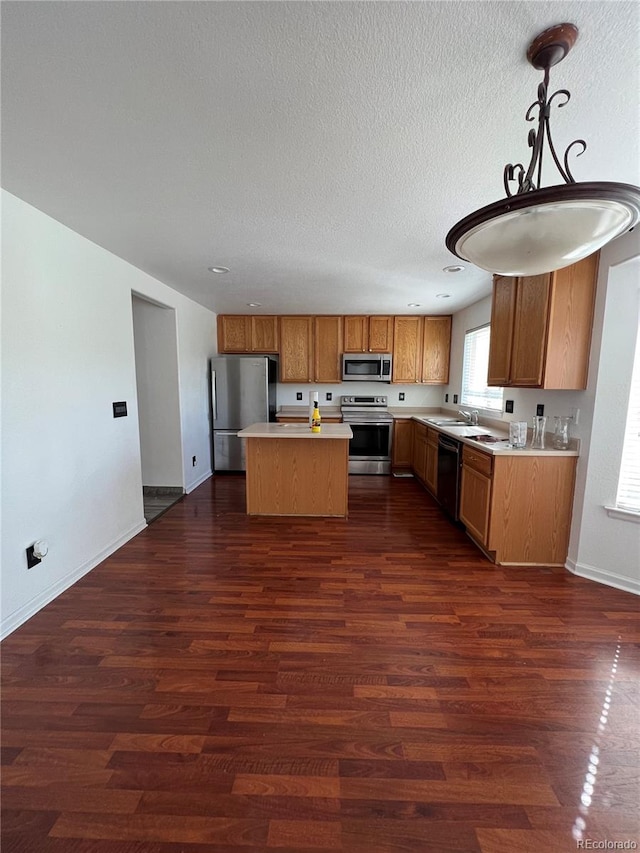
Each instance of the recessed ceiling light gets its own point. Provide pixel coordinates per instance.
(443, 295)
(219, 270)
(254, 304)
(453, 268)
(413, 305)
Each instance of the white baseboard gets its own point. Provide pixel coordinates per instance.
(20, 616)
(199, 481)
(602, 576)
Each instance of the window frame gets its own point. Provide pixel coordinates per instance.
(485, 393)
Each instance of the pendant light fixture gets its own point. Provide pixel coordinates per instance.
(535, 230)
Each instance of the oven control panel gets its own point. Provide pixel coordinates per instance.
(364, 401)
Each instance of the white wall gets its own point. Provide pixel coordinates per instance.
(156, 355)
(71, 472)
(600, 547)
(415, 395)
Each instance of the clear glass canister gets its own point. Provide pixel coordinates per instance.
(561, 432)
(539, 426)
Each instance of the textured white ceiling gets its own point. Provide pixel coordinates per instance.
(320, 150)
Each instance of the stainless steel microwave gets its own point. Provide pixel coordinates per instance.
(366, 367)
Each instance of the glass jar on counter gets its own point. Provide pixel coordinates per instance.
(561, 432)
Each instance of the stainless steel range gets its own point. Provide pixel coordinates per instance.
(372, 427)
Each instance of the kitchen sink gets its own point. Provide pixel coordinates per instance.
(447, 422)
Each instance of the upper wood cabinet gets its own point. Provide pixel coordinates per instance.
(247, 333)
(421, 347)
(436, 347)
(541, 328)
(296, 349)
(310, 349)
(328, 348)
(368, 334)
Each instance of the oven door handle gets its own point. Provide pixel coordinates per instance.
(367, 423)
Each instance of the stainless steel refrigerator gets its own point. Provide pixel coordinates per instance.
(243, 392)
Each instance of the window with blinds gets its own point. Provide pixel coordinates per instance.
(629, 483)
(475, 367)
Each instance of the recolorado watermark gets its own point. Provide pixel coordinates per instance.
(588, 844)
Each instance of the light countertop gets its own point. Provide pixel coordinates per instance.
(500, 447)
(276, 430)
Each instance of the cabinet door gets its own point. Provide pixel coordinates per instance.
(401, 448)
(264, 334)
(419, 454)
(355, 334)
(234, 333)
(328, 349)
(436, 345)
(503, 309)
(573, 292)
(475, 501)
(431, 470)
(407, 349)
(530, 330)
(380, 334)
(296, 349)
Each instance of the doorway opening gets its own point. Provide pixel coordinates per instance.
(156, 356)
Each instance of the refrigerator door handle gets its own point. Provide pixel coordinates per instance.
(214, 402)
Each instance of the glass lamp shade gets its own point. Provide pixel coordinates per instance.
(544, 230)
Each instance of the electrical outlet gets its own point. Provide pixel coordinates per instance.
(32, 560)
(575, 414)
(329, 395)
(446, 398)
(540, 409)
(508, 407)
(401, 395)
(194, 461)
(455, 398)
(298, 395)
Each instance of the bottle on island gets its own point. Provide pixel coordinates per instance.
(315, 418)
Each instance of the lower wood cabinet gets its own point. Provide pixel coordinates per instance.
(518, 508)
(475, 493)
(431, 471)
(419, 451)
(402, 443)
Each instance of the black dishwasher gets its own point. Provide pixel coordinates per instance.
(449, 461)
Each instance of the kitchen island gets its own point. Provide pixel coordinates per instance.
(293, 471)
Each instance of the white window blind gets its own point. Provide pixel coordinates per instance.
(475, 368)
(629, 483)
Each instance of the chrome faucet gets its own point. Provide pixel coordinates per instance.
(470, 417)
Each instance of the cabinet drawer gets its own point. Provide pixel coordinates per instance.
(481, 462)
(432, 436)
(420, 430)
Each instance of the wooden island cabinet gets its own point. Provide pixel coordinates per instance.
(541, 328)
(292, 471)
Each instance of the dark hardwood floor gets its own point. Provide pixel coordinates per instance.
(369, 685)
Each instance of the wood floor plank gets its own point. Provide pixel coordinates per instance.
(368, 685)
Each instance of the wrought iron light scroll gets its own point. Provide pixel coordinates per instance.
(535, 229)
